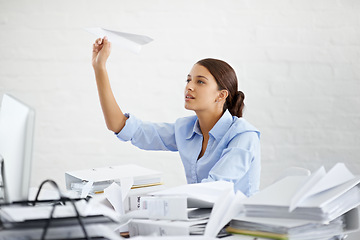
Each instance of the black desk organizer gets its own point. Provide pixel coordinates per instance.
(51, 221)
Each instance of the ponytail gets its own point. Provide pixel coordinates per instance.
(235, 104)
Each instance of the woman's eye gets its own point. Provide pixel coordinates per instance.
(187, 80)
(201, 82)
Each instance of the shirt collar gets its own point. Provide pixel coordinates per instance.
(218, 130)
(223, 123)
(196, 129)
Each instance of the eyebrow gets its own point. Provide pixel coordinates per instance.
(199, 76)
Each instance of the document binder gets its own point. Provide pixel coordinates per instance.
(132, 202)
(199, 195)
(185, 210)
(169, 208)
(105, 176)
(165, 207)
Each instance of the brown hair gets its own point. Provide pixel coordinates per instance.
(226, 79)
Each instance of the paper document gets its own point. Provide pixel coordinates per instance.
(113, 194)
(226, 208)
(321, 181)
(129, 41)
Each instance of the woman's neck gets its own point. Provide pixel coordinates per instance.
(207, 120)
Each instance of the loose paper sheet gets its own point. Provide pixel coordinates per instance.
(86, 189)
(116, 194)
(225, 209)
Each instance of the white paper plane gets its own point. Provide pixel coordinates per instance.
(129, 41)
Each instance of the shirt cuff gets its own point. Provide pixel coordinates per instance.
(131, 126)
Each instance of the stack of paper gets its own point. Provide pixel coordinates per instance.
(182, 210)
(294, 229)
(323, 196)
(318, 206)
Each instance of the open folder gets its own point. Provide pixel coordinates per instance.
(319, 197)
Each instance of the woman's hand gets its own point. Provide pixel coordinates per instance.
(101, 52)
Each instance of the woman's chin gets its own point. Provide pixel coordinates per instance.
(187, 107)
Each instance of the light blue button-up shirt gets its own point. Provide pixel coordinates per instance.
(232, 153)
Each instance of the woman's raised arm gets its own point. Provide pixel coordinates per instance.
(114, 117)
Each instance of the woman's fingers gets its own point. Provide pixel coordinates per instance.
(101, 51)
(95, 48)
(99, 43)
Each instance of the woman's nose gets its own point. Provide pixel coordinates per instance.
(189, 87)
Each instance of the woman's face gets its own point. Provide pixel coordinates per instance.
(201, 91)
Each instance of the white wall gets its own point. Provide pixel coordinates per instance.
(298, 62)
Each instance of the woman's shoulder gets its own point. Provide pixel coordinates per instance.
(186, 126)
(243, 134)
(241, 125)
(184, 121)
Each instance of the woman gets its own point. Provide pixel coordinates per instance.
(215, 144)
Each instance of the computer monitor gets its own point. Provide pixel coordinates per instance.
(17, 122)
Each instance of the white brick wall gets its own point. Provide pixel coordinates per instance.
(298, 63)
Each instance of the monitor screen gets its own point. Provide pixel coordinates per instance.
(17, 122)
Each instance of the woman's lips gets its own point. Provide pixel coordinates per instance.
(188, 97)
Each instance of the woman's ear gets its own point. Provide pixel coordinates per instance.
(223, 94)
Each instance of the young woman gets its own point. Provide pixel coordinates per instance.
(215, 144)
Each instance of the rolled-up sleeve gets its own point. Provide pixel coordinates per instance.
(131, 126)
(147, 135)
